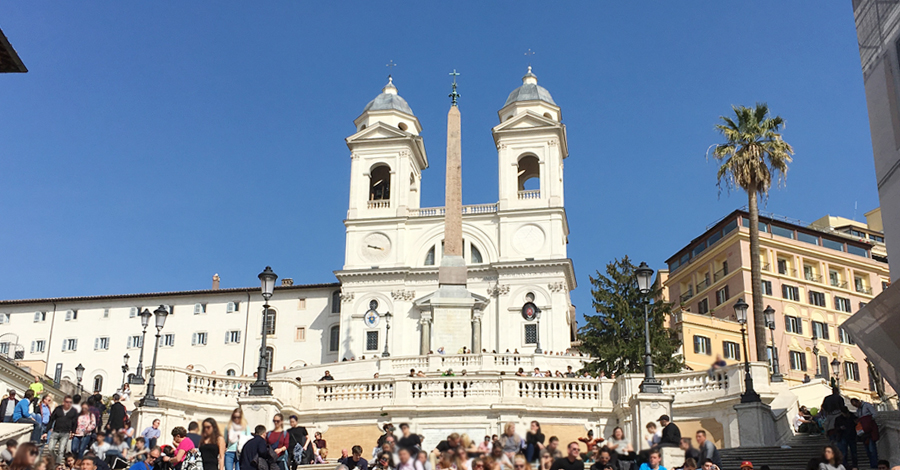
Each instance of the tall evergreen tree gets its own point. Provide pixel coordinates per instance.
(615, 335)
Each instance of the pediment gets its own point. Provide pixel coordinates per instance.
(379, 130)
(526, 120)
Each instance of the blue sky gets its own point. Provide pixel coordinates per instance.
(153, 144)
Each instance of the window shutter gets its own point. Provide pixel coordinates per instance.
(227, 337)
(32, 346)
(129, 342)
(133, 312)
(96, 344)
(229, 308)
(37, 317)
(64, 345)
(194, 339)
(238, 340)
(68, 315)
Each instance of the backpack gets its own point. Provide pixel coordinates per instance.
(192, 461)
(297, 453)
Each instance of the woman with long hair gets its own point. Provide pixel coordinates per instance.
(236, 428)
(212, 446)
(85, 425)
(446, 461)
(831, 458)
(26, 455)
(534, 442)
(510, 441)
(546, 460)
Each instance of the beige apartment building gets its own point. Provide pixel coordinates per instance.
(814, 276)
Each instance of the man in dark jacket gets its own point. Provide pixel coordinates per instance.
(7, 406)
(61, 427)
(671, 435)
(256, 451)
(116, 419)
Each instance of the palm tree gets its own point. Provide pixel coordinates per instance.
(753, 150)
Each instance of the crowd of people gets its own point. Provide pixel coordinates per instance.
(98, 435)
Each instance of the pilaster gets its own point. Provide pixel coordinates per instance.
(756, 425)
(646, 408)
(260, 409)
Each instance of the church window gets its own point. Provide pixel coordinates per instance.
(380, 183)
(529, 173)
(412, 182)
(429, 258)
(476, 256)
(98, 383)
(403, 126)
(548, 115)
(371, 341)
(231, 373)
(336, 302)
(334, 338)
(531, 333)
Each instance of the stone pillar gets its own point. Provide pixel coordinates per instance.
(425, 333)
(889, 442)
(756, 424)
(260, 409)
(476, 331)
(645, 408)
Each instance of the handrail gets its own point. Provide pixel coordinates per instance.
(720, 274)
(440, 211)
(702, 285)
(864, 290)
(530, 194)
(813, 277)
(838, 284)
(687, 295)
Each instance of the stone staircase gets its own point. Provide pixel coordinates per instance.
(794, 455)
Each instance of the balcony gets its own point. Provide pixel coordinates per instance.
(439, 211)
(380, 204)
(787, 272)
(839, 284)
(813, 277)
(864, 290)
(530, 194)
(720, 274)
(767, 267)
(702, 285)
(687, 295)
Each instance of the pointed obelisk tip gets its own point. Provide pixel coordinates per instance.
(454, 96)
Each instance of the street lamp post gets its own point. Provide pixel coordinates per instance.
(261, 387)
(815, 351)
(125, 370)
(769, 313)
(650, 384)
(749, 395)
(836, 372)
(150, 399)
(79, 374)
(387, 333)
(138, 377)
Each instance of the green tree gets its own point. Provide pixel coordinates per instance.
(753, 150)
(615, 335)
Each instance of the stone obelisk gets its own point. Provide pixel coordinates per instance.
(452, 305)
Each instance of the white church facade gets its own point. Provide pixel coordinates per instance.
(514, 250)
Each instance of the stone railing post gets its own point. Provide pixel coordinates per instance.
(260, 409)
(402, 391)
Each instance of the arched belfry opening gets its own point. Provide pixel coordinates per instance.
(529, 173)
(380, 183)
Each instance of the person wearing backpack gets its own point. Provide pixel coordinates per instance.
(278, 440)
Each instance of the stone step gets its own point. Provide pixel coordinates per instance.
(801, 450)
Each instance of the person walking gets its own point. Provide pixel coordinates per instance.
(256, 449)
(116, 421)
(45, 408)
(233, 431)
(865, 415)
(278, 439)
(85, 425)
(212, 446)
(61, 428)
(845, 430)
(23, 415)
(8, 406)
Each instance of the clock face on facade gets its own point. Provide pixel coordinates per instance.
(530, 311)
(528, 239)
(375, 247)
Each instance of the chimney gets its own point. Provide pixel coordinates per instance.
(216, 280)
(287, 282)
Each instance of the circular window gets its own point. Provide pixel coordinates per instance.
(373, 305)
(403, 126)
(529, 297)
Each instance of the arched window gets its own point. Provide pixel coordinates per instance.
(98, 383)
(429, 257)
(270, 321)
(529, 172)
(476, 256)
(270, 356)
(334, 338)
(231, 373)
(380, 183)
(412, 182)
(336, 302)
